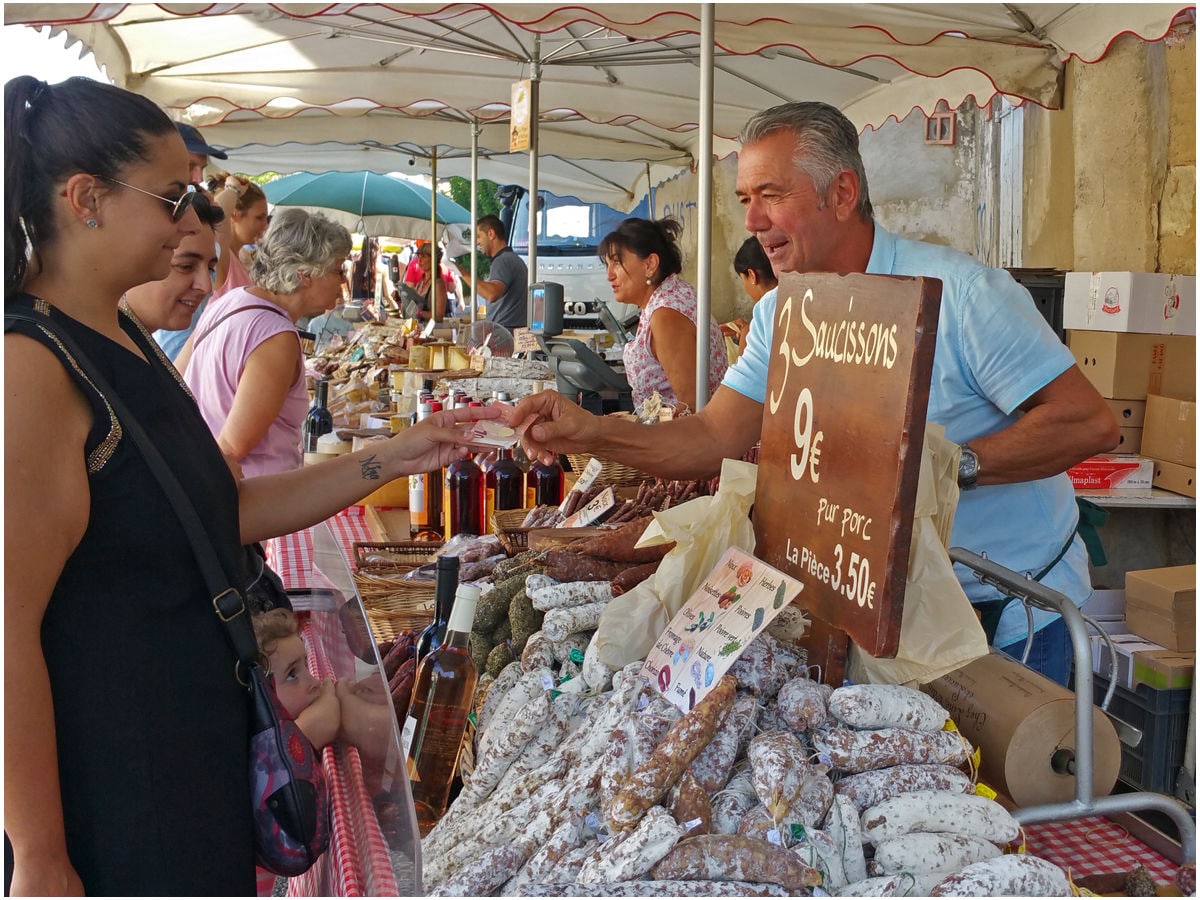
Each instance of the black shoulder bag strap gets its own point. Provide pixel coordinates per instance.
(227, 601)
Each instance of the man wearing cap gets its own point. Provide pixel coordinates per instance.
(198, 151)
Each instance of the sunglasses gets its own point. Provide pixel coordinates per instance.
(179, 206)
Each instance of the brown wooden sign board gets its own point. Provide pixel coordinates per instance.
(842, 437)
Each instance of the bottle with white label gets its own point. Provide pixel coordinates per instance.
(425, 492)
(443, 689)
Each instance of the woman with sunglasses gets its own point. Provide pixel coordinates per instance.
(125, 730)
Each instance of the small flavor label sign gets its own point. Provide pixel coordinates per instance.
(739, 598)
(596, 507)
(590, 473)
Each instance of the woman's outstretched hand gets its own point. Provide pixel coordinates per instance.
(437, 440)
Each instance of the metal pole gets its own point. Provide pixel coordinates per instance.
(535, 105)
(433, 249)
(475, 130)
(704, 197)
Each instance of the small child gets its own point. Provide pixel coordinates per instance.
(311, 701)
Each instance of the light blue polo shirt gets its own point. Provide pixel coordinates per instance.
(994, 350)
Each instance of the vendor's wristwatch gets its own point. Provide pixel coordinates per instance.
(968, 468)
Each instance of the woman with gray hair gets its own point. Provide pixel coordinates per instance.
(246, 367)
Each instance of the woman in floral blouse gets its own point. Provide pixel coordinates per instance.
(644, 262)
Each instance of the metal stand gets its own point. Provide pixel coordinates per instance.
(1084, 804)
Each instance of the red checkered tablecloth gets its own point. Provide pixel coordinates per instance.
(1094, 846)
(291, 555)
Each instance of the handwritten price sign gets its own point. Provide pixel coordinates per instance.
(843, 430)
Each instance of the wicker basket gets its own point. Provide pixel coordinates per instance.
(388, 556)
(506, 524)
(394, 605)
(612, 473)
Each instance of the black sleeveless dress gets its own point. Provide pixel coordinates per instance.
(152, 726)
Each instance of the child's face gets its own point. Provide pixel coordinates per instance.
(293, 683)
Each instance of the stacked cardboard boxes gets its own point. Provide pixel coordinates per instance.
(1169, 439)
(1160, 605)
(1156, 645)
(1133, 336)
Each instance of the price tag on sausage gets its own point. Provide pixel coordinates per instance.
(595, 508)
(590, 473)
(842, 436)
(737, 600)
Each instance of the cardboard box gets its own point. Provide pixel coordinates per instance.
(1126, 645)
(1130, 441)
(1171, 632)
(1173, 477)
(1164, 670)
(1160, 604)
(1128, 413)
(1170, 430)
(1130, 366)
(1108, 473)
(1141, 302)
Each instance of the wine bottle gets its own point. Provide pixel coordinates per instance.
(445, 587)
(319, 421)
(425, 490)
(443, 689)
(418, 512)
(544, 484)
(463, 499)
(505, 484)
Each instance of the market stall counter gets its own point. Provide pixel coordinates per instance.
(368, 858)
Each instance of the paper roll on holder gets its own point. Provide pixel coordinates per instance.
(1084, 803)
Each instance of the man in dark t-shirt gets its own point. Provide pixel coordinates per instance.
(507, 286)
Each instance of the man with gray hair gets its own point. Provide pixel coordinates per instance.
(1004, 387)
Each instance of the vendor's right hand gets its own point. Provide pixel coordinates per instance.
(552, 424)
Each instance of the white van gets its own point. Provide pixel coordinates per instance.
(569, 232)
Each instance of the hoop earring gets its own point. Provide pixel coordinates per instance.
(92, 223)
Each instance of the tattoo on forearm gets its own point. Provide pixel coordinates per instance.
(370, 468)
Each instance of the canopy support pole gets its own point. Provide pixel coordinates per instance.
(433, 241)
(475, 131)
(535, 113)
(704, 198)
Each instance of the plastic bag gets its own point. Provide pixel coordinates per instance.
(702, 529)
(939, 631)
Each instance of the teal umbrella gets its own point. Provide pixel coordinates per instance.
(367, 202)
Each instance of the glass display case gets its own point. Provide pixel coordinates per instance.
(375, 846)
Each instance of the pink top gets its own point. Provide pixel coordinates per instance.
(237, 277)
(642, 368)
(216, 368)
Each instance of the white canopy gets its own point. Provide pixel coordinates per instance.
(659, 70)
(594, 162)
(608, 63)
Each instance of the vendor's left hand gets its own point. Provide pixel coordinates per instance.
(438, 440)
